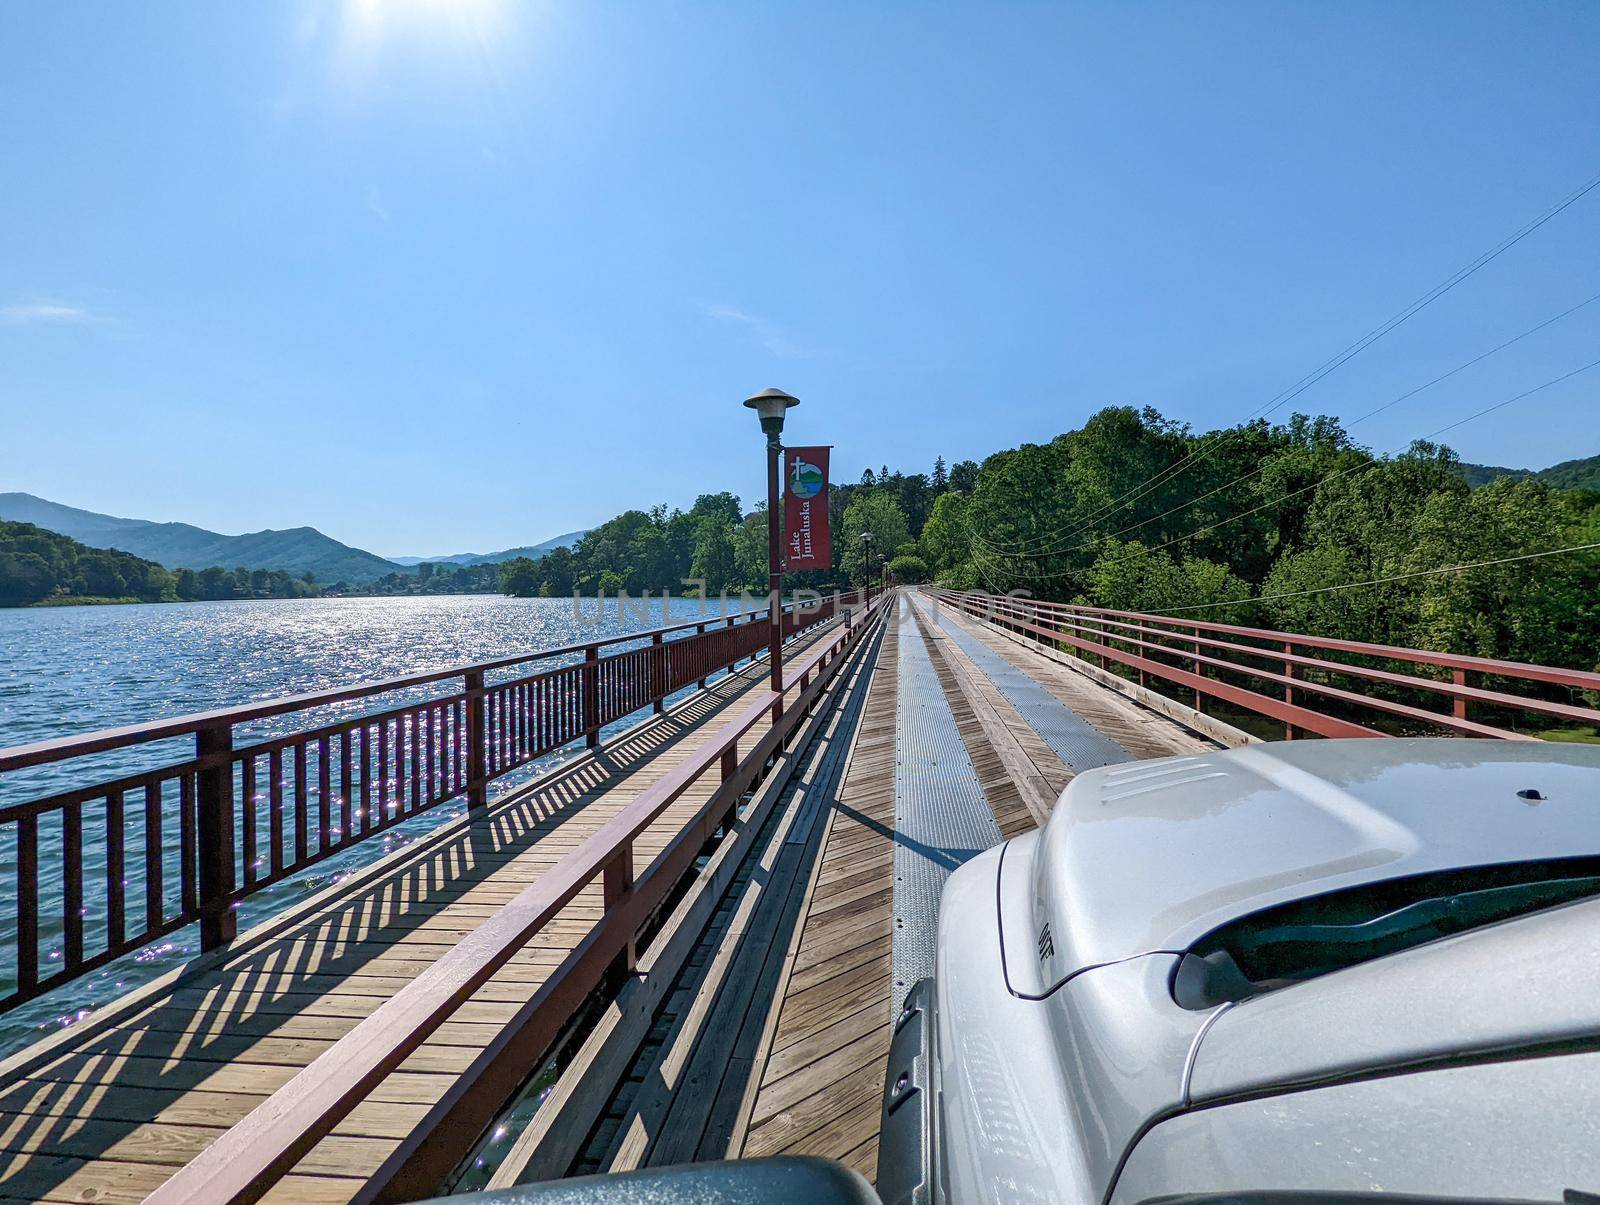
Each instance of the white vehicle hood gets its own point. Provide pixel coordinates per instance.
(1151, 856)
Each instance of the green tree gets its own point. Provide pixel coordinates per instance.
(25, 577)
(750, 552)
(520, 578)
(556, 567)
(876, 512)
(909, 569)
(964, 476)
(1130, 577)
(945, 542)
(723, 505)
(216, 583)
(100, 575)
(715, 560)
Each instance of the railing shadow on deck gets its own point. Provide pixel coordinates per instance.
(145, 854)
(71, 1103)
(274, 1138)
(662, 1111)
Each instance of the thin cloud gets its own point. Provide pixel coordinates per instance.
(375, 205)
(769, 336)
(43, 311)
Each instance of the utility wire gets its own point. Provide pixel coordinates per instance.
(991, 564)
(1261, 468)
(1380, 581)
(1331, 365)
(1373, 463)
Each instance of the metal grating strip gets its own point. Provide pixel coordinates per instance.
(941, 815)
(1077, 742)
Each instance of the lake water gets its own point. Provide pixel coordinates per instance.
(71, 670)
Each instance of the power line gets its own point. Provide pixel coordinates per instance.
(1373, 463)
(1261, 468)
(1332, 364)
(1364, 466)
(1380, 581)
(992, 563)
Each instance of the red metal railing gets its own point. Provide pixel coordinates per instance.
(243, 818)
(1289, 677)
(244, 1163)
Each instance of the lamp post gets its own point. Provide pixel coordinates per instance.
(770, 406)
(868, 539)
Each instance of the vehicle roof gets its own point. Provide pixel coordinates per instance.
(1152, 855)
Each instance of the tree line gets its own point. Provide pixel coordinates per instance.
(1252, 524)
(41, 566)
(1258, 523)
(718, 547)
(38, 566)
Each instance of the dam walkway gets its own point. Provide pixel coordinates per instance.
(688, 941)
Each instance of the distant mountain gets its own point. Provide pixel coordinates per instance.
(1568, 475)
(1483, 474)
(1573, 474)
(181, 546)
(532, 551)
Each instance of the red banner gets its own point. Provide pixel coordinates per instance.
(805, 509)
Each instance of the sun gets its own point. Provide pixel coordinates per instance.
(373, 21)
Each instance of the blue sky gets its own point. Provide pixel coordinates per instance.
(437, 276)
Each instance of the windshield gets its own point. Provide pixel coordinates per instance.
(1306, 938)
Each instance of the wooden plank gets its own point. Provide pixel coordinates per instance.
(552, 1141)
(118, 1102)
(781, 1131)
(1141, 731)
(822, 1056)
(104, 1111)
(158, 1143)
(45, 1177)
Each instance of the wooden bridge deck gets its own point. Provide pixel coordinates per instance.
(109, 1110)
(820, 1088)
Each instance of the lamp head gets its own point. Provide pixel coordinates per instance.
(770, 406)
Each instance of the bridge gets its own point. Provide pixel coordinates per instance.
(626, 905)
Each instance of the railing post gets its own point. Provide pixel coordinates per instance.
(591, 696)
(1459, 677)
(477, 741)
(214, 822)
(1288, 691)
(1199, 697)
(730, 767)
(658, 672)
(616, 884)
(700, 630)
(28, 900)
